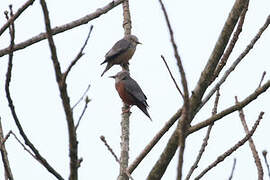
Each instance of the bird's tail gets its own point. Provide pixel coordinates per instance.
(107, 68)
(144, 110)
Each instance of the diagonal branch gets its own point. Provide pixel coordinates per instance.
(231, 109)
(62, 86)
(64, 27)
(232, 149)
(251, 143)
(232, 43)
(16, 15)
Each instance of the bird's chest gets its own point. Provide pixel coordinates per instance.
(124, 94)
(126, 56)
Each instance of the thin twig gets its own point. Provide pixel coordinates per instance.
(102, 138)
(175, 83)
(205, 140)
(263, 75)
(64, 27)
(62, 86)
(233, 169)
(232, 149)
(235, 63)
(87, 89)
(79, 55)
(264, 153)
(232, 43)
(16, 15)
(87, 100)
(27, 150)
(251, 143)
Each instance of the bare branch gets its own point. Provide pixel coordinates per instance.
(64, 27)
(73, 143)
(175, 83)
(251, 143)
(232, 149)
(125, 109)
(231, 109)
(16, 15)
(203, 83)
(266, 162)
(205, 140)
(263, 75)
(79, 55)
(233, 168)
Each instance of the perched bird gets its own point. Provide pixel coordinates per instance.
(121, 52)
(130, 92)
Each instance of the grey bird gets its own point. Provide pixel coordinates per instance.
(130, 92)
(121, 52)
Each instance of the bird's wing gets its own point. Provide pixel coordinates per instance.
(119, 47)
(134, 90)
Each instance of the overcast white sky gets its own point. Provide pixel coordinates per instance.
(196, 25)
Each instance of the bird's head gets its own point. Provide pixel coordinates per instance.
(120, 76)
(133, 39)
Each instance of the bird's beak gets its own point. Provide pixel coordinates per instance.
(112, 77)
(138, 42)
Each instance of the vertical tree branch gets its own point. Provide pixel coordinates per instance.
(126, 114)
(73, 143)
(251, 143)
(8, 172)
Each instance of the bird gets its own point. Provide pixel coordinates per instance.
(121, 52)
(130, 91)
